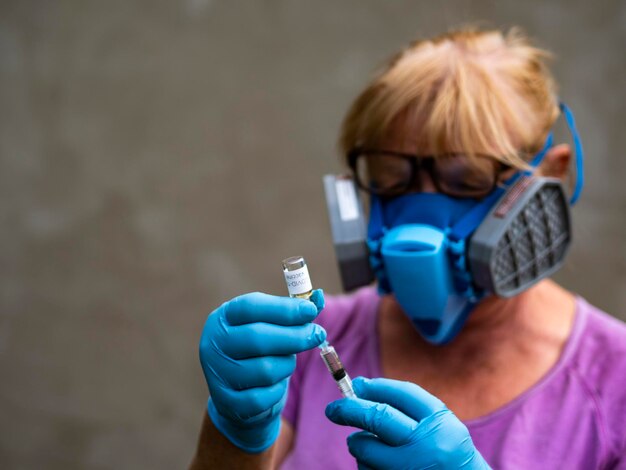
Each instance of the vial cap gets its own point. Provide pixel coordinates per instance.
(293, 262)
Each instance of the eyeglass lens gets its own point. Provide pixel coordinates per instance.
(455, 174)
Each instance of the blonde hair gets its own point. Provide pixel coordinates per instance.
(466, 91)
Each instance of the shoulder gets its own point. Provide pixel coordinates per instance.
(349, 314)
(602, 337)
(600, 362)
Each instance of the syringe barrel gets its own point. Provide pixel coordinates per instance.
(331, 359)
(335, 367)
(345, 387)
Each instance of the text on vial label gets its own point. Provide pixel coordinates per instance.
(298, 281)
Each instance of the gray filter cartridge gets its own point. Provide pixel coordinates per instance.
(523, 239)
(347, 224)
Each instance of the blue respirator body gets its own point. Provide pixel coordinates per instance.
(441, 255)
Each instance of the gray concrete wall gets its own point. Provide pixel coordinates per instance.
(159, 157)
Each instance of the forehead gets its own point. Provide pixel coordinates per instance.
(408, 133)
(405, 133)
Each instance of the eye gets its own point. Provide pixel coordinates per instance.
(464, 176)
(381, 172)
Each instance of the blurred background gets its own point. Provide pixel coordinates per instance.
(160, 157)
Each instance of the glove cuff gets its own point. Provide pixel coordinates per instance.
(251, 439)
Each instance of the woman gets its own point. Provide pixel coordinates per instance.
(535, 381)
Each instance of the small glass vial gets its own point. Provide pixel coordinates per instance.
(297, 277)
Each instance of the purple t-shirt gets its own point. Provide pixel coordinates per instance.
(574, 418)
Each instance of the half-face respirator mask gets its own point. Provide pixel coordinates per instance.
(440, 255)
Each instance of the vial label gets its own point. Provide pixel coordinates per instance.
(298, 281)
(346, 198)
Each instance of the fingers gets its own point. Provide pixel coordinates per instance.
(369, 451)
(266, 339)
(249, 405)
(407, 397)
(318, 299)
(390, 425)
(258, 307)
(257, 371)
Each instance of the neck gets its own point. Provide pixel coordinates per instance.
(543, 311)
(505, 347)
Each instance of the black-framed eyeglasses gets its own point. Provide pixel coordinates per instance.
(388, 174)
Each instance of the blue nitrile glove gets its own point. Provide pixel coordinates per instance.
(405, 427)
(248, 352)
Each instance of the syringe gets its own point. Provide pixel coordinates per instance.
(299, 285)
(335, 367)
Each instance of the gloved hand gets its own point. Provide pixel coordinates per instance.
(248, 352)
(405, 427)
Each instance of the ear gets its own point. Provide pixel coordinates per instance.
(556, 162)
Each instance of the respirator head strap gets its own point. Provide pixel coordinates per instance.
(578, 153)
(375, 231)
(578, 149)
(537, 159)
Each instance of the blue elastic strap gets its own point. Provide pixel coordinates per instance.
(473, 218)
(376, 224)
(537, 159)
(375, 231)
(578, 148)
